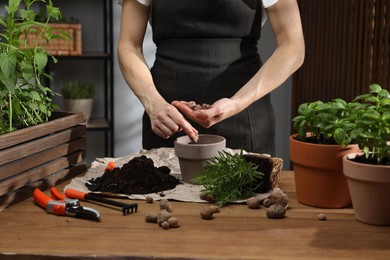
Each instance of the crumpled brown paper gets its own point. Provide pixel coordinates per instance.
(161, 157)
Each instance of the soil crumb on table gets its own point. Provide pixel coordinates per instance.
(138, 176)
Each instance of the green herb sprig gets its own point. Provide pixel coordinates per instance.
(229, 177)
(78, 90)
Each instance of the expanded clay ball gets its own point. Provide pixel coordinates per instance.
(191, 104)
(321, 217)
(149, 199)
(165, 204)
(276, 211)
(253, 203)
(163, 216)
(173, 222)
(206, 197)
(197, 107)
(267, 203)
(194, 106)
(207, 212)
(165, 225)
(206, 106)
(277, 197)
(164, 219)
(151, 218)
(215, 208)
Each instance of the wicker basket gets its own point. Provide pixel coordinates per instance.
(276, 170)
(60, 47)
(270, 166)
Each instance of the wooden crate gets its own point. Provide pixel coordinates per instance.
(41, 156)
(60, 47)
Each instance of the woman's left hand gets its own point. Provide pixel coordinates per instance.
(220, 110)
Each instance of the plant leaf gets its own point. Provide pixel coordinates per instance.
(7, 64)
(41, 60)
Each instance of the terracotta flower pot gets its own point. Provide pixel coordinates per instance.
(318, 171)
(369, 186)
(193, 155)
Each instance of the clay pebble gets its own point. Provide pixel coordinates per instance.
(276, 211)
(321, 217)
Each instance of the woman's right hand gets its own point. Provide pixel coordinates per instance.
(166, 120)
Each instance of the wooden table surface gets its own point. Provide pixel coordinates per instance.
(28, 232)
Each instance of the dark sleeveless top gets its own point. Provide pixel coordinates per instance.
(207, 50)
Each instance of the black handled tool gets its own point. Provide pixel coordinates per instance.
(126, 208)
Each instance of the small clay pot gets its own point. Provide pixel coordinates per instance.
(79, 105)
(193, 155)
(369, 185)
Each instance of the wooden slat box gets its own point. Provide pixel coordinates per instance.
(41, 156)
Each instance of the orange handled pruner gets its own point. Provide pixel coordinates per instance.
(63, 206)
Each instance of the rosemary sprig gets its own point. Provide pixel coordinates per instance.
(228, 177)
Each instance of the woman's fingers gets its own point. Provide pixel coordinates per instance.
(169, 121)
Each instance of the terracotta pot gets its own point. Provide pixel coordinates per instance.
(369, 186)
(193, 155)
(79, 105)
(318, 171)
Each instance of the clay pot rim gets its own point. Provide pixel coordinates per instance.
(365, 171)
(292, 138)
(185, 149)
(350, 156)
(185, 140)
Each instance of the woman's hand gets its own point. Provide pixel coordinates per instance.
(167, 120)
(207, 117)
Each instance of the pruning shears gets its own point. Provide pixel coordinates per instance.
(60, 205)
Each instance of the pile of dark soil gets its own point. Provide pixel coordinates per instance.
(138, 176)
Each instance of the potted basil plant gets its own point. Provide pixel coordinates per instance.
(368, 172)
(316, 152)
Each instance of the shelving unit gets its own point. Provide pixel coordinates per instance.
(94, 65)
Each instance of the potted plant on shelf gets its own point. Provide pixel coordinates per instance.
(78, 97)
(368, 172)
(317, 151)
(35, 141)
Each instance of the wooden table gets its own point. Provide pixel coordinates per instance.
(236, 233)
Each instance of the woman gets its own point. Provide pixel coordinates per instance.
(207, 53)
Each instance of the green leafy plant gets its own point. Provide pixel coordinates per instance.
(78, 90)
(365, 122)
(24, 99)
(324, 122)
(229, 177)
(371, 124)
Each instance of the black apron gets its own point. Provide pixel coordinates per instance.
(207, 50)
